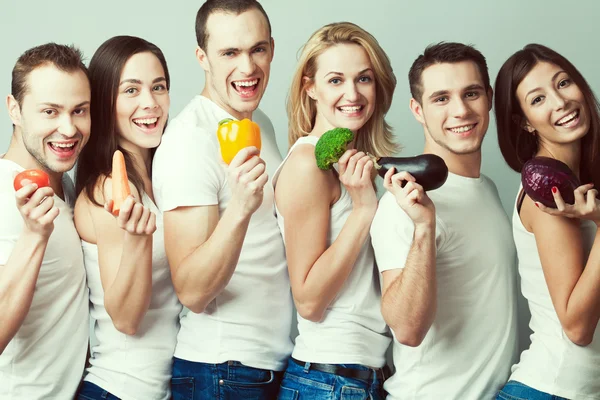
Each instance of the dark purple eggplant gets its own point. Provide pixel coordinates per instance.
(540, 174)
(429, 170)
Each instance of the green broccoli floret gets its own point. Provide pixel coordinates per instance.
(331, 146)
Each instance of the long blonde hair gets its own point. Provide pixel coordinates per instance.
(376, 135)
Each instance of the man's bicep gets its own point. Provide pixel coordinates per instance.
(187, 228)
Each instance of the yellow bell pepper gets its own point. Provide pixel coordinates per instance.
(235, 135)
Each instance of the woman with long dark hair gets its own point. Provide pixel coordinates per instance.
(133, 303)
(544, 107)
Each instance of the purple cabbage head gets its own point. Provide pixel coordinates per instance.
(540, 174)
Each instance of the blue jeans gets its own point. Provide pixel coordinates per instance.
(514, 390)
(230, 380)
(89, 391)
(303, 383)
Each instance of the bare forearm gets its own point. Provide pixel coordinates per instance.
(128, 297)
(203, 274)
(409, 304)
(329, 273)
(583, 307)
(17, 284)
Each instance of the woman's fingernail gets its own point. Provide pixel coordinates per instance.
(537, 205)
(554, 189)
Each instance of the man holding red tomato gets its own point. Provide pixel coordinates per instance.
(43, 294)
(224, 247)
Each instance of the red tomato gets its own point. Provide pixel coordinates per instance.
(36, 176)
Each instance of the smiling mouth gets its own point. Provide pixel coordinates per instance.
(462, 129)
(350, 110)
(568, 119)
(246, 88)
(146, 123)
(63, 149)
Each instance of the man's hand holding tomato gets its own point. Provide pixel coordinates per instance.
(35, 201)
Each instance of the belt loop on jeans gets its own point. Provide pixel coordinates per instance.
(306, 367)
(364, 375)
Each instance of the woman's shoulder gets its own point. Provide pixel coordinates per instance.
(300, 176)
(302, 165)
(88, 209)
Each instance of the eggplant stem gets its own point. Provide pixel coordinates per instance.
(374, 159)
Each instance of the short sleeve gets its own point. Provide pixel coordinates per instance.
(11, 225)
(392, 234)
(187, 169)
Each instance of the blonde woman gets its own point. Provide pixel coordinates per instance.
(343, 79)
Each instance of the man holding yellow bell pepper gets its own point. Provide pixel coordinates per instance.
(224, 246)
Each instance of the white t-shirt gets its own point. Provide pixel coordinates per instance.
(352, 330)
(553, 364)
(472, 343)
(135, 367)
(46, 358)
(250, 320)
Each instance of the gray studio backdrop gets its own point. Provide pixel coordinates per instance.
(497, 28)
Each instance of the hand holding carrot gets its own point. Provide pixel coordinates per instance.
(132, 216)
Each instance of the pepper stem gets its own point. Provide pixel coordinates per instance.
(224, 121)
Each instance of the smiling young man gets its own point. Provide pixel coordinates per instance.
(43, 293)
(447, 256)
(224, 247)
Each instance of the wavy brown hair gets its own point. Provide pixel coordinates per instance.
(95, 161)
(376, 135)
(518, 145)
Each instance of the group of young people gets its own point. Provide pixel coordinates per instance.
(240, 244)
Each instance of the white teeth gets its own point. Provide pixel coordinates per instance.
(350, 109)
(63, 145)
(567, 118)
(246, 83)
(146, 121)
(462, 129)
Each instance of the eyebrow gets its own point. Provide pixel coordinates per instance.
(537, 88)
(474, 86)
(261, 43)
(138, 82)
(342, 74)
(60, 107)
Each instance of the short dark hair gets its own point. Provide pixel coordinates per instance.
(227, 6)
(518, 145)
(66, 58)
(444, 52)
(106, 67)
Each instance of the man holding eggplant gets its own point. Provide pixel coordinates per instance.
(446, 256)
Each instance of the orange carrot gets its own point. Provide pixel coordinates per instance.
(120, 183)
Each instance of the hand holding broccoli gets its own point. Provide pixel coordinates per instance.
(355, 175)
(331, 146)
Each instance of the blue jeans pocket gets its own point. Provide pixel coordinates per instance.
(504, 396)
(287, 394)
(182, 388)
(353, 393)
(250, 378)
(305, 388)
